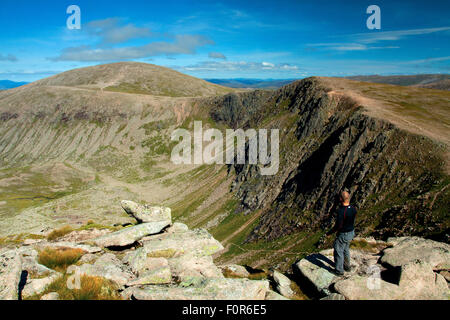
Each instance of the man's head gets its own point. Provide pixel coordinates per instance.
(344, 197)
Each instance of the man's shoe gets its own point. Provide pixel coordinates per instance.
(347, 269)
(338, 273)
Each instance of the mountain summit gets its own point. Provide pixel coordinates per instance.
(134, 77)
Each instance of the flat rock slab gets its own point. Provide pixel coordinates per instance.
(272, 295)
(318, 268)
(198, 242)
(37, 286)
(161, 275)
(283, 284)
(130, 235)
(189, 266)
(138, 261)
(145, 213)
(417, 282)
(71, 245)
(108, 267)
(209, 289)
(10, 273)
(50, 296)
(234, 270)
(410, 249)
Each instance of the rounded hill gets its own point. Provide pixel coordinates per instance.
(135, 77)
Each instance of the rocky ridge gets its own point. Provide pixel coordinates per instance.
(151, 260)
(161, 260)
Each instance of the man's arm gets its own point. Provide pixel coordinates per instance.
(338, 225)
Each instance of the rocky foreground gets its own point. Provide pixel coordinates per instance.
(406, 268)
(156, 259)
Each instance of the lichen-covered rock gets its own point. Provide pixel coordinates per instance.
(50, 296)
(161, 275)
(10, 273)
(107, 266)
(334, 296)
(197, 241)
(31, 265)
(272, 295)
(208, 289)
(318, 268)
(145, 213)
(235, 271)
(283, 284)
(139, 262)
(409, 249)
(37, 286)
(66, 244)
(178, 227)
(417, 282)
(364, 288)
(190, 266)
(130, 235)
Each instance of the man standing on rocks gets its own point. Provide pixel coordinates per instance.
(345, 232)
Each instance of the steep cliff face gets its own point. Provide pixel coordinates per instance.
(328, 143)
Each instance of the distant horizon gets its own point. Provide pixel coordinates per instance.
(242, 77)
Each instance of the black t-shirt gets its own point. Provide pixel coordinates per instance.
(345, 218)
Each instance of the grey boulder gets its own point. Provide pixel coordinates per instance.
(145, 213)
(130, 235)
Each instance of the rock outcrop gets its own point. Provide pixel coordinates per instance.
(283, 284)
(130, 235)
(151, 260)
(406, 269)
(10, 272)
(145, 213)
(208, 289)
(410, 249)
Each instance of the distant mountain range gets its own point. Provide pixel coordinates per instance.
(430, 81)
(8, 84)
(252, 83)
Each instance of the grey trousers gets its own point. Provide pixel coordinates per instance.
(342, 250)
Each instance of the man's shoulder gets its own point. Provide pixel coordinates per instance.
(352, 208)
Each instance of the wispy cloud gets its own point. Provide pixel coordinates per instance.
(217, 55)
(182, 44)
(348, 46)
(8, 57)
(428, 60)
(111, 31)
(394, 35)
(366, 41)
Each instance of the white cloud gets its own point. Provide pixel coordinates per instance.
(182, 44)
(111, 31)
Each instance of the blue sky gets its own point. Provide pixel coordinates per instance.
(229, 39)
